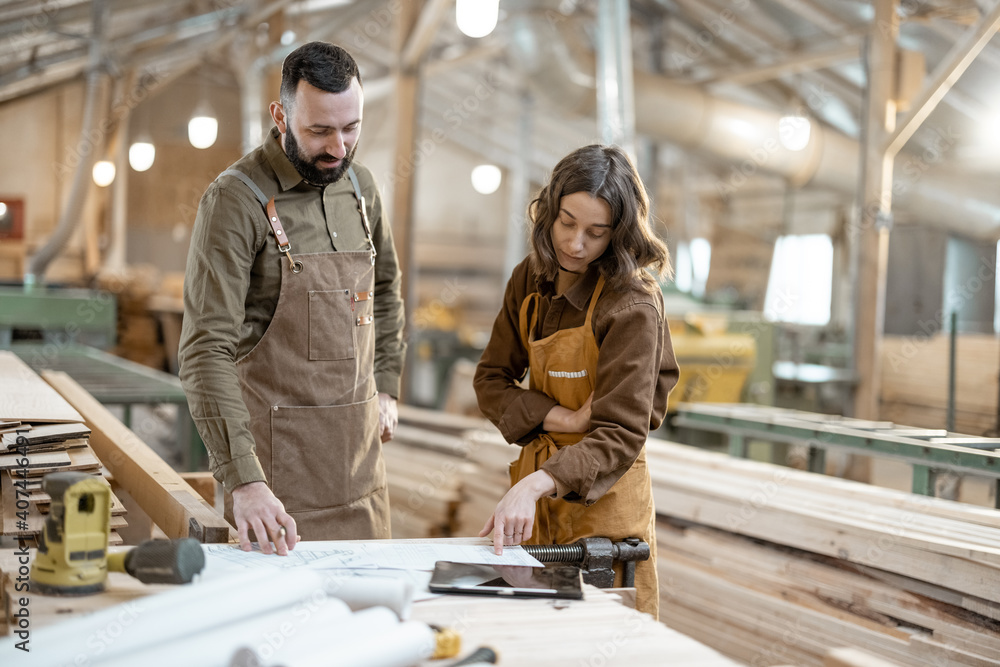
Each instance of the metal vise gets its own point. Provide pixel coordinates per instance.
(595, 556)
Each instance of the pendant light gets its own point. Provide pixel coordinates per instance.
(104, 173)
(203, 128)
(477, 18)
(141, 154)
(486, 178)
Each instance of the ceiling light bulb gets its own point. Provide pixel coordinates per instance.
(141, 155)
(486, 179)
(104, 173)
(794, 131)
(3, 209)
(203, 131)
(477, 18)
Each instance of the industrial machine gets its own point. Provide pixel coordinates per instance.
(716, 357)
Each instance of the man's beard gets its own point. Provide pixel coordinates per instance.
(307, 167)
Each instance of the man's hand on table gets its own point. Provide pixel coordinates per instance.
(255, 507)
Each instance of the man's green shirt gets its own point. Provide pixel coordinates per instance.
(233, 277)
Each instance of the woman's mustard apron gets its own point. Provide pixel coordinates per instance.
(564, 366)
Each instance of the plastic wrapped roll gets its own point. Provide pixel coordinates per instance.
(364, 592)
(264, 635)
(173, 615)
(370, 638)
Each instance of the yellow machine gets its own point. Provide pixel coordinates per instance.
(73, 554)
(714, 364)
(73, 548)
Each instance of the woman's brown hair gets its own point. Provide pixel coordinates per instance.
(603, 172)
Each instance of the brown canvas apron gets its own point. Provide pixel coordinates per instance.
(309, 385)
(564, 366)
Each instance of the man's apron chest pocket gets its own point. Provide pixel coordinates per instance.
(334, 319)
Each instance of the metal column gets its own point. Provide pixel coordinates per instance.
(615, 93)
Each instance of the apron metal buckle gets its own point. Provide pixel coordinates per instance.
(293, 263)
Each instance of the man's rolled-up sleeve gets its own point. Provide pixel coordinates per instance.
(390, 318)
(217, 276)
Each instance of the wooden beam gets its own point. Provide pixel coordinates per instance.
(422, 35)
(204, 483)
(168, 500)
(944, 77)
(403, 175)
(869, 233)
(472, 55)
(70, 64)
(824, 19)
(793, 64)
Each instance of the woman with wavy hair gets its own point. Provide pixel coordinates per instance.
(584, 314)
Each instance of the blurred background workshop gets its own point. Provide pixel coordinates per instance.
(823, 173)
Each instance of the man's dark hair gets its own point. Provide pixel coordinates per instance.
(320, 64)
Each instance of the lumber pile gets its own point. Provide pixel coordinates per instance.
(777, 566)
(493, 456)
(915, 381)
(768, 565)
(139, 337)
(40, 433)
(425, 484)
(170, 502)
(446, 473)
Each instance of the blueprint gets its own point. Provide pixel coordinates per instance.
(353, 555)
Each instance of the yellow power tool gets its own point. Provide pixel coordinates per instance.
(73, 554)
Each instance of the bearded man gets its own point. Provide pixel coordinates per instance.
(292, 344)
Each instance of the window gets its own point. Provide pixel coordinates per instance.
(691, 266)
(996, 292)
(801, 280)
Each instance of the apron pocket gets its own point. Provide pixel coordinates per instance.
(331, 325)
(323, 457)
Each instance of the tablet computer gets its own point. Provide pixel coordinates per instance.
(519, 581)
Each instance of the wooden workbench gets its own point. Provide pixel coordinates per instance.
(595, 631)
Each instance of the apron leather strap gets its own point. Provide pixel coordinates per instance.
(261, 197)
(275, 222)
(527, 330)
(363, 209)
(593, 301)
(272, 217)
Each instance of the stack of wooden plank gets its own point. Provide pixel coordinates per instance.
(493, 456)
(915, 381)
(443, 477)
(771, 565)
(139, 337)
(40, 433)
(425, 471)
